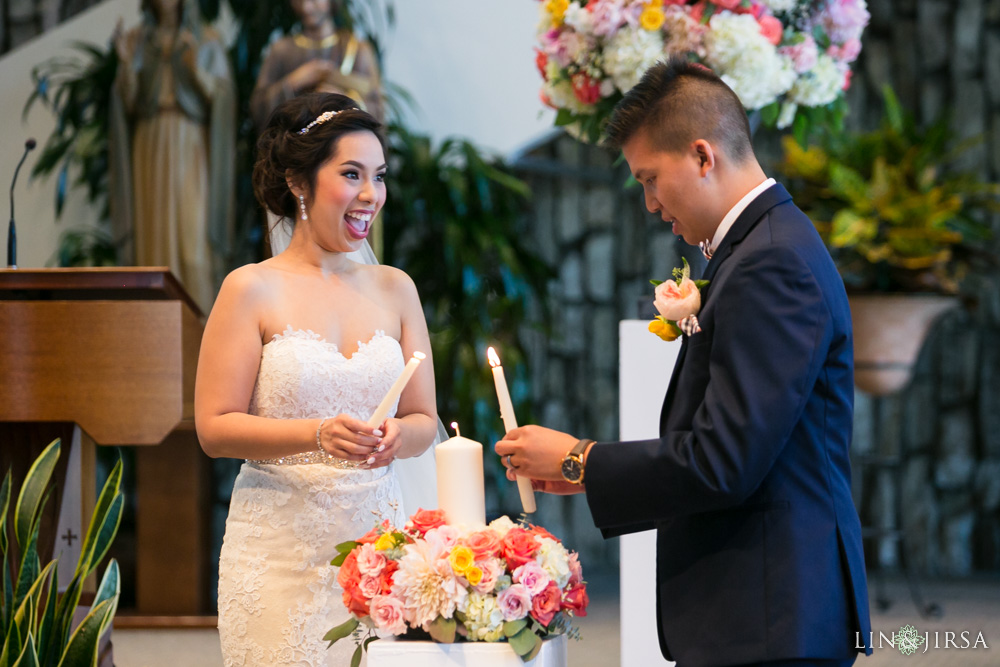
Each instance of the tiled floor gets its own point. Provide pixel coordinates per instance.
(969, 605)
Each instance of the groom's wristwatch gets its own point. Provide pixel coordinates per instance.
(572, 463)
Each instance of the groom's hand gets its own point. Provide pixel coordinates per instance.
(535, 452)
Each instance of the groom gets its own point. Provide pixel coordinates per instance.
(759, 556)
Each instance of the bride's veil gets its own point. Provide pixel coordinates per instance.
(418, 475)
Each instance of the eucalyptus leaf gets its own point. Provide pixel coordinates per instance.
(343, 630)
(443, 630)
(356, 657)
(524, 642)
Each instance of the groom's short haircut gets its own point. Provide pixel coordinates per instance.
(678, 102)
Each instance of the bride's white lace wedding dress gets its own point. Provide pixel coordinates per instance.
(278, 593)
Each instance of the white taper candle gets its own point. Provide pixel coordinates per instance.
(460, 481)
(510, 423)
(395, 390)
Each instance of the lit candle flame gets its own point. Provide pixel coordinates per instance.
(419, 355)
(454, 425)
(494, 358)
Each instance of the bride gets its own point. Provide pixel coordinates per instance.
(296, 355)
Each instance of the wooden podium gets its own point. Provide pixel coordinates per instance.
(108, 356)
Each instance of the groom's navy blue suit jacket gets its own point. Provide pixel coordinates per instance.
(759, 553)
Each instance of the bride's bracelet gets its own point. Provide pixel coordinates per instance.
(319, 436)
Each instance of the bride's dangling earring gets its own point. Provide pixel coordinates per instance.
(302, 207)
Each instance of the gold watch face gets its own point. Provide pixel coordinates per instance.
(572, 469)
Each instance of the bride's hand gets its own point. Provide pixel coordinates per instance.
(390, 445)
(348, 438)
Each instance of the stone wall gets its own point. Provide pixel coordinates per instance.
(605, 247)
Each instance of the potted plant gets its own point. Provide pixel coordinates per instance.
(901, 221)
(38, 625)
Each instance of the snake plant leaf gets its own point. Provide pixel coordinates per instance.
(46, 627)
(28, 657)
(4, 506)
(26, 618)
(29, 569)
(82, 647)
(65, 609)
(8, 594)
(101, 531)
(32, 491)
(110, 589)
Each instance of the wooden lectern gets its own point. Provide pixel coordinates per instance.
(108, 356)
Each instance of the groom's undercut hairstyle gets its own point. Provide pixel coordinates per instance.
(677, 102)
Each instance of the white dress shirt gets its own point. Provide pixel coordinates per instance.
(735, 211)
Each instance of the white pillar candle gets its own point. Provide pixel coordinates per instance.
(382, 411)
(510, 423)
(460, 481)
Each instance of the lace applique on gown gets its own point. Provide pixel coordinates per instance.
(278, 593)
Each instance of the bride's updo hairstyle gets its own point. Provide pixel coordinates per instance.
(286, 153)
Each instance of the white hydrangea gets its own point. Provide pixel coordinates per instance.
(820, 85)
(578, 18)
(630, 53)
(787, 115)
(483, 619)
(746, 61)
(779, 5)
(554, 559)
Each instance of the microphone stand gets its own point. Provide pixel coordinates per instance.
(11, 228)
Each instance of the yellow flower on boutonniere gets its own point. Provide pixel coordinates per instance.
(678, 302)
(557, 10)
(665, 329)
(652, 16)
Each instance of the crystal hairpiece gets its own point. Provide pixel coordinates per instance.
(322, 118)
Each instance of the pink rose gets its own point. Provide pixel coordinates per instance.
(387, 612)
(424, 520)
(370, 586)
(484, 544)
(675, 302)
(518, 547)
(492, 570)
(576, 600)
(803, 54)
(546, 604)
(446, 535)
(370, 561)
(771, 28)
(575, 570)
(533, 577)
(514, 603)
(847, 52)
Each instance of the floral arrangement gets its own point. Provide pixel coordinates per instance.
(501, 582)
(678, 302)
(790, 59)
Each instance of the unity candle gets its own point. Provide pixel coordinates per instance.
(460, 480)
(510, 423)
(395, 390)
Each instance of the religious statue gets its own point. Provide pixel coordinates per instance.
(319, 58)
(172, 145)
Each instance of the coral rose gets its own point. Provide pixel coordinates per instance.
(484, 543)
(771, 28)
(576, 600)
(424, 520)
(518, 547)
(546, 604)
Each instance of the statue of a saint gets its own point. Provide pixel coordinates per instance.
(319, 58)
(172, 142)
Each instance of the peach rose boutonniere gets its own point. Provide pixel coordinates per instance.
(678, 302)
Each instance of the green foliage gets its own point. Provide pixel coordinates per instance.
(891, 206)
(35, 620)
(451, 222)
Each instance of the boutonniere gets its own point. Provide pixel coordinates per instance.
(678, 302)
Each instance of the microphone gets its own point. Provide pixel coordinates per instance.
(29, 146)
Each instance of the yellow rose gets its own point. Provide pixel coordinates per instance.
(461, 559)
(473, 575)
(385, 542)
(664, 329)
(557, 9)
(652, 17)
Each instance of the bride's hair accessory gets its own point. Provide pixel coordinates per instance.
(302, 207)
(322, 118)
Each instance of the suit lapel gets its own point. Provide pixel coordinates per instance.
(747, 220)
